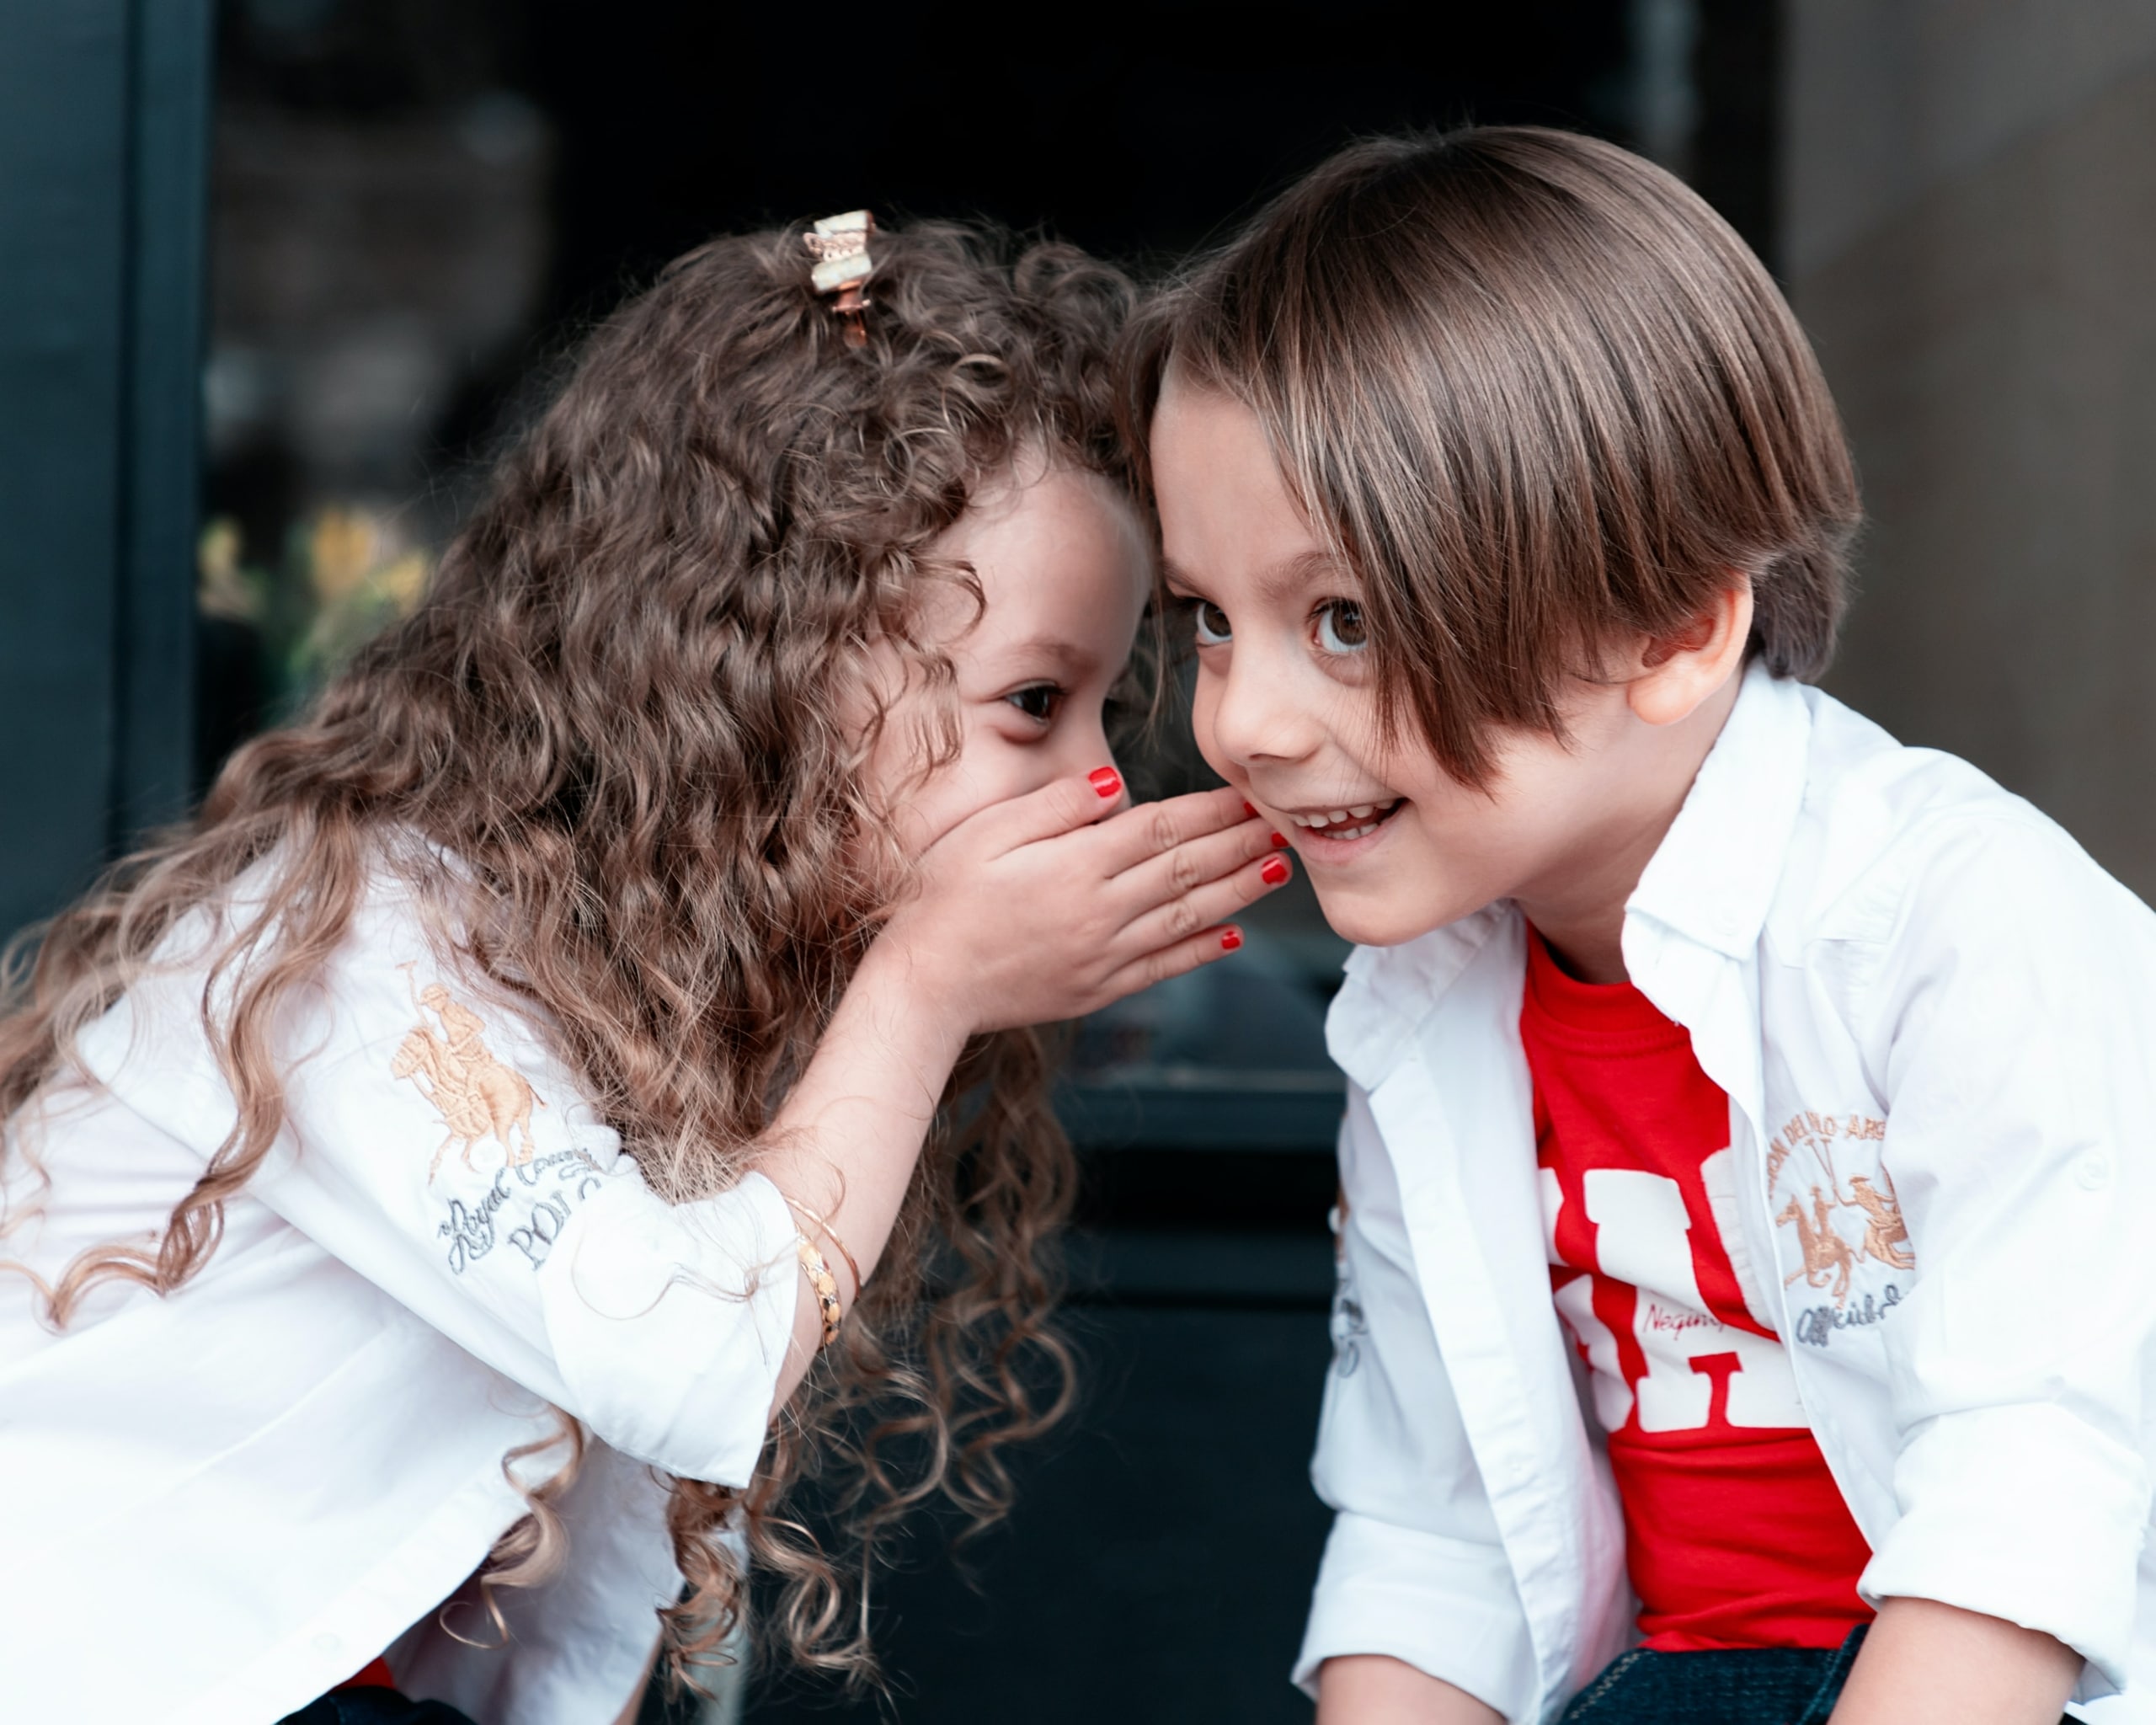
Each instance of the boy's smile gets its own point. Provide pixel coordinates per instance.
(1287, 710)
(1343, 825)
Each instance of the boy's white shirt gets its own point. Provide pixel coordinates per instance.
(1899, 972)
(224, 1502)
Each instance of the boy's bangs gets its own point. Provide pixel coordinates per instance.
(1540, 398)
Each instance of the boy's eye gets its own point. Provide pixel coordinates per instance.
(1036, 701)
(1340, 626)
(1209, 622)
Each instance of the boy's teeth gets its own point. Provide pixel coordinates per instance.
(1362, 812)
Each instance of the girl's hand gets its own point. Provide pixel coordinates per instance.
(1037, 908)
(1043, 907)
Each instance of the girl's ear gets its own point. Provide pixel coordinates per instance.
(1675, 676)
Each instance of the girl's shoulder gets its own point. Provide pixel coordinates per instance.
(399, 988)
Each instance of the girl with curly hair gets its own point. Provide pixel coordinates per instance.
(431, 1175)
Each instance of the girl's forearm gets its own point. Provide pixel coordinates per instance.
(843, 1146)
(1926, 1663)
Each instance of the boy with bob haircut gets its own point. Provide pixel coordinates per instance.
(1747, 1180)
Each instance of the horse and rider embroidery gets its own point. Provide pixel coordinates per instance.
(477, 1096)
(1886, 1235)
(1827, 1255)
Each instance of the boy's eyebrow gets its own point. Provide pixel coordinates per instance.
(1306, 568)
(1288, 577)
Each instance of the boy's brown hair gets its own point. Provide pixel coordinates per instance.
(1541, 399)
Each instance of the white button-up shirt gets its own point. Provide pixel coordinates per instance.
(222, 1502)
(1931, 1011)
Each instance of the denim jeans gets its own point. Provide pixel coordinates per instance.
(1738, 1686)
(374, 1707)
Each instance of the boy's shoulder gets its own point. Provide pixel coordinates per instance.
(1886, 830)
(1859, 854)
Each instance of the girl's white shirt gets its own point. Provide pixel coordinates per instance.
(222, 1502)
(1903, 976)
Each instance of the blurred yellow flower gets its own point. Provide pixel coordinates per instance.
(341, 548)
(404, 581)
(347, 572)
(223, 588)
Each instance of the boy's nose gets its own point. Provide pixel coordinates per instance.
(1254, 715)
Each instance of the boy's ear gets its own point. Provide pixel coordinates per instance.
(1676, 675)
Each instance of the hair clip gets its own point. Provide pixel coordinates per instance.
(840, 246)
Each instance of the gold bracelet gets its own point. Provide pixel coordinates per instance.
(802, 1211)
(827, 1289)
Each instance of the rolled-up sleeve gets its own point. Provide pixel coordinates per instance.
(1414, 1567)
(2014, 1031)
(1444, 1605)
(670, 1322)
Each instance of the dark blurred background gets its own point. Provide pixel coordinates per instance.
(276, 276)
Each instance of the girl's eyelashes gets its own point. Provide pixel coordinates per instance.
(1341, 629)
(1208, 623)
(1038, 701)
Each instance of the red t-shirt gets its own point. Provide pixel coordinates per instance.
(1735, 1534)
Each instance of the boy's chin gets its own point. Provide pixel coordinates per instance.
(1375, 918)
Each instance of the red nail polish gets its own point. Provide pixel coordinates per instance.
(1279, 841)
(1230, 938)
(1274, 871)
(1106, 780)
(1250, 809)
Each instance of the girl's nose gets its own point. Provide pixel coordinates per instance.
(1082, 747)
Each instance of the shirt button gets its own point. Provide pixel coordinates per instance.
(2094, 1170)
(325, 1642)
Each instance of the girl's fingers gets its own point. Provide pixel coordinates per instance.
(1209, 946)
(1060, 807)
(1198, 863)
(1202, 907)
(1154, 830)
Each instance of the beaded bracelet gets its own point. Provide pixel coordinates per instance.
(802, 1213)
(827, 1289)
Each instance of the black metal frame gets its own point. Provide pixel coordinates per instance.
(105, 121)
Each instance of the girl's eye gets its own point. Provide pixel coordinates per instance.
(1340, 628)
(1209, 622)
(1036, 701)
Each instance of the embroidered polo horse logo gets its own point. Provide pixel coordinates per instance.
(477, 1096)
(1827, 1256)
(1886, 1235)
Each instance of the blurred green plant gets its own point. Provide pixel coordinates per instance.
(344, 576)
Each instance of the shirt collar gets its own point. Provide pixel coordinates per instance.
(1714, 875)
(1710, 881)
(1391, 990)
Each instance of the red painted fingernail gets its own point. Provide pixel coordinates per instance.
(1230, 938)
(1106, 780)
(1274, 871)
(1250, 809)
(1279, 841)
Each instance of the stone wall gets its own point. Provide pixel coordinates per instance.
(1969, 233)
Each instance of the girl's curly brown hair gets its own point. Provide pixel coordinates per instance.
(619, 708)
